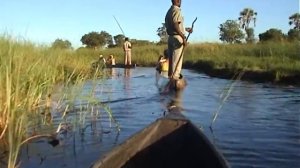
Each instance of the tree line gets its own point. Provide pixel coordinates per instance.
(96, 40)
(231, 31)
(241, 30)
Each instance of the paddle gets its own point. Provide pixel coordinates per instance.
(168, 85)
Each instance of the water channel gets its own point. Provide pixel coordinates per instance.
(257, 126)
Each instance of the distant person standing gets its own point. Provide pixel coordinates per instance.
(127, 52)
(177, 40)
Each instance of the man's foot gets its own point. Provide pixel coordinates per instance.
(178, 84)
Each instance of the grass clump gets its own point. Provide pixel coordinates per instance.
(28, 74)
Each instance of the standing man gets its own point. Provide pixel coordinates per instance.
(177, 40)
(127, 52)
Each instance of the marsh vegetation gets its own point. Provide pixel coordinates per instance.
(30, 74)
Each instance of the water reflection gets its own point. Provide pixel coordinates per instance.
(127, 72)
(72, 141)
(258, 126)
(112, 72)
(176, 100)
(127, 75)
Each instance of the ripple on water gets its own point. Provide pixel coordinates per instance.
(258, 125)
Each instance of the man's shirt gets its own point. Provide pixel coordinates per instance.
(173, 16)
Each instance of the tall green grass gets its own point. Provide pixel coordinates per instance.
(28, 74)
(283, 57)
(271, 61)
(280, 58)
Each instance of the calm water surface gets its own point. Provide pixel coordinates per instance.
(257, 126)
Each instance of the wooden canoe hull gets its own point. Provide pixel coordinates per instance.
(121, 66)
(165, 143)
(164, 84)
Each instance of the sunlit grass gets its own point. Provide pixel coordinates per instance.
(28, 74)
(281, 58)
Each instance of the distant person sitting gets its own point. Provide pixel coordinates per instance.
(102, 59)
(127, 52)
(100, 63)
(111, 60)
(162, 66)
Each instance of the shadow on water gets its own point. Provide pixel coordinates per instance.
(258, 126)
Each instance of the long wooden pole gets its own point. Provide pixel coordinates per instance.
(168, 84)
(182, 50)
(119, 25)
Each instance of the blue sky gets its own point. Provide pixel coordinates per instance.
(44, 21)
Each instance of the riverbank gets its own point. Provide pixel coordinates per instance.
(276, 63)
(248, 75)
(29, 73)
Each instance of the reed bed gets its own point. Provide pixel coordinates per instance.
(273, 61)
(276, 59)
(281, 58)
(28, 75)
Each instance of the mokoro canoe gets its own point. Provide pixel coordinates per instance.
(168, 142)
(121, 66)
(164, 84)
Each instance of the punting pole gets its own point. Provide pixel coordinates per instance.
(119, 25)
(168, 85)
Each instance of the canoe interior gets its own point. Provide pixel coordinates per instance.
(165, 143)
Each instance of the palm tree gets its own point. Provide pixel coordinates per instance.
(162, 33)
(246, 16)
(295, 20)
